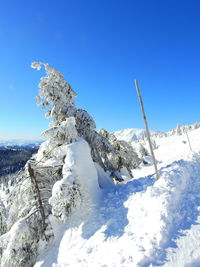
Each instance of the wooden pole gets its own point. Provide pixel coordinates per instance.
(147, 128)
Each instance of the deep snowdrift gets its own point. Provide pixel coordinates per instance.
(141, 223)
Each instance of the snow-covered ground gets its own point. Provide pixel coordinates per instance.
(145, 222)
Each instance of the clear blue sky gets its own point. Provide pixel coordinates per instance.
(101, 46)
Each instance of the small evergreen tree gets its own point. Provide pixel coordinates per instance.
(154, 145)
(178, 130)
(143, 151)
(197, 125)
(123, 154)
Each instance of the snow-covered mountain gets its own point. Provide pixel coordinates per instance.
(132, 134)
(20, 143)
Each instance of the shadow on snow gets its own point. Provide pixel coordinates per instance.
(111, 215)
(187, 211)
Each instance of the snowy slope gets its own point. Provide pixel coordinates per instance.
(131, 134)
(145, 222)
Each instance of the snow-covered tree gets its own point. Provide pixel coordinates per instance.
(197, 125)
(178, 130)
(57, 96)
(154, 145)
(123, 154)
(143, 151)
(3, 225)
(62, 177)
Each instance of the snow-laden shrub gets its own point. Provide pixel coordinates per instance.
(20, 244)
(154, 145)
(196, 125)
(65, 133)
(122, 155)
(65, 196)
(3, 225)
(23, 226)
(178, 130)
(143, 151)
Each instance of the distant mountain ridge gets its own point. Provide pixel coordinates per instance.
(20, 144)
(132, 134)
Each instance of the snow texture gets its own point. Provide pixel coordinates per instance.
(144, 222)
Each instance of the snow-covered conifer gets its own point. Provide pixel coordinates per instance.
(123, 154)
(143, 151)
(197, 125)
(3, 225)
(178, 130)
(57, 95)
(154, 145)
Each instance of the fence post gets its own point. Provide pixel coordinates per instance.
(147, 128)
